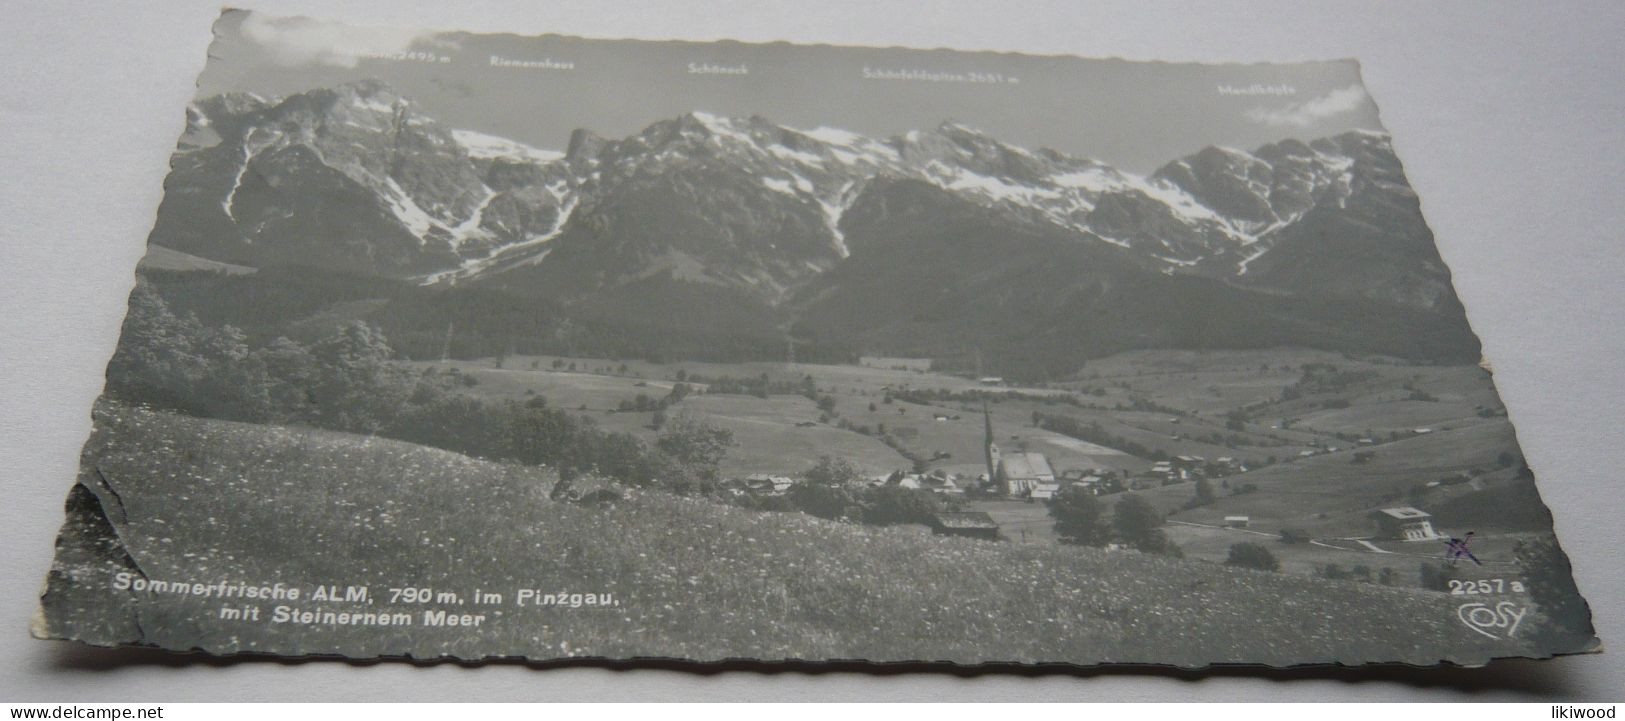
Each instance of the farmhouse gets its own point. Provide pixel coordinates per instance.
(1188, 462)
(1097, 484)
(971, 524)
(762, 483)
(1404, 523)
(939, 484)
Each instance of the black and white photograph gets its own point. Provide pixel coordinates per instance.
(467, 346)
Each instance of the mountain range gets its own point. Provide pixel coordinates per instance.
(930, 243)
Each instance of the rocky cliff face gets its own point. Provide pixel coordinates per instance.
(780, 224)
(354, 176)
(350, 177)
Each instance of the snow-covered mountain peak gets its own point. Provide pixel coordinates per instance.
(461, 203)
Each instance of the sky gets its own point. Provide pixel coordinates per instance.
(1134, 115)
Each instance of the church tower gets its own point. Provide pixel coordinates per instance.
(989, 447)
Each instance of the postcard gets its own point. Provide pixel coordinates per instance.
(451, 345)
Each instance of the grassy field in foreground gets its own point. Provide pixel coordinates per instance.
(201, 500)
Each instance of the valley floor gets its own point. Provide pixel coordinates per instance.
(1321, 440)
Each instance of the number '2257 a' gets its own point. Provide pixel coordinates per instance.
(1484, 586)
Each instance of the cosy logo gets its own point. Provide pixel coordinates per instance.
(1486, 619)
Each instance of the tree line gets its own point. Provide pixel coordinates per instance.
(836, 490)
(1080, 518)
(346, 382)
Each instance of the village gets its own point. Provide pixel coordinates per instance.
(1028, 477)
(1337, 465)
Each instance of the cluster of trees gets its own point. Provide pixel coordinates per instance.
(177, 362)
(1252, 555)
(1235, 420)
(1219, 439)
(760, 386)
(346, 382)
(1203, 494)
(644, 403)
(860, 428)
(834, 489)
(1324, 378)
(490, 322)
(1080, 519)
(1094, 433)
(1511, 505)
(940, 396)
(918, 462)
(560, 364)
(1138, 403)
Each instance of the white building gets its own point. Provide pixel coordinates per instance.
(1405, 523)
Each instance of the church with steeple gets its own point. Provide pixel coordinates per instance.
(1012, 474)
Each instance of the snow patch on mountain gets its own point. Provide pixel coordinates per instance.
(250, 149)
(722, 128)
(508, 256)
(227, 202)
(470, 227)
(1241, 266)
(833, 209)
(416, 220)
(1182, 203)
(993, 188)
(780, 185)
(834, 136)
(484, 147)
(378, 104)
(795, 155)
